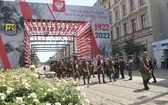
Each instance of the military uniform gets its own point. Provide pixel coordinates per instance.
(70, 69)
(112, 69)
(91, 68)
(145, 70)
(59, 72)
(130, 68)
(80, 68)
(86, 72)
(76, 70)
(55, 67)
(100, 69)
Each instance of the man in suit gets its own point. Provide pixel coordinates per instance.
(152, 69)
(122, 67)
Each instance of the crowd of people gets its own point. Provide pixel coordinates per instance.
(111, 67)
(86, 68)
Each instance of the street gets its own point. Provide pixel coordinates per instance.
(126, 92)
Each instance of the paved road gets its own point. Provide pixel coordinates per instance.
(126, 92)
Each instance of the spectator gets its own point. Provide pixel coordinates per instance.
(152, 69)
(44, 68)
(154, 63)
(122, 67)
(162, 62)
(167, 62)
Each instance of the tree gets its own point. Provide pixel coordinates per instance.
(115, 48)
(132, 47)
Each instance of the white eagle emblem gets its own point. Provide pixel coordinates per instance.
(59, 5)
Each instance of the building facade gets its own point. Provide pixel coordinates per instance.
(161, 47)
(139, 19)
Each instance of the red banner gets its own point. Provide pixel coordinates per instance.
(4, 56)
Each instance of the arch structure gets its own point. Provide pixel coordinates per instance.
(27, 28)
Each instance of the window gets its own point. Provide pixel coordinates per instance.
(117, 15)
(125, 29)
(141, 2)
(132, 5)
(143, 20)
(109, 4)
(115, 1)
(110, 19)
(133, 25)
(124, 10)
(112, 35)
(118, 32)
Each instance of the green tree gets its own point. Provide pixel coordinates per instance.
(115, 48)
(132, 47)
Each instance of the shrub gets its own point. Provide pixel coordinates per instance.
(21, 87)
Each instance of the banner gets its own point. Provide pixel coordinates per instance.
(12, 25)
(11, 31)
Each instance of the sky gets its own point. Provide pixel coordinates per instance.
(44, 56)
(68, 2)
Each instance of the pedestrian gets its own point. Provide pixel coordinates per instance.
(44, 68)
(152, 69)
(167, 62)
(162, 62)
(130, 67)
(154, 63)
(100, 68)
(145, 70)
(122, 67)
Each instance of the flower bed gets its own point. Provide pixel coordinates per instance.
(21, 87)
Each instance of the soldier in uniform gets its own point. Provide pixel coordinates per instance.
(100, 69)
(91, 68)
(80, 67)
(59, 71)
(63, 69)
(76, 70)
(130, 68)
(112, 68)
(55, 67)
(145, 70)
(70, 69)
(86, 72)
(108, 66)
